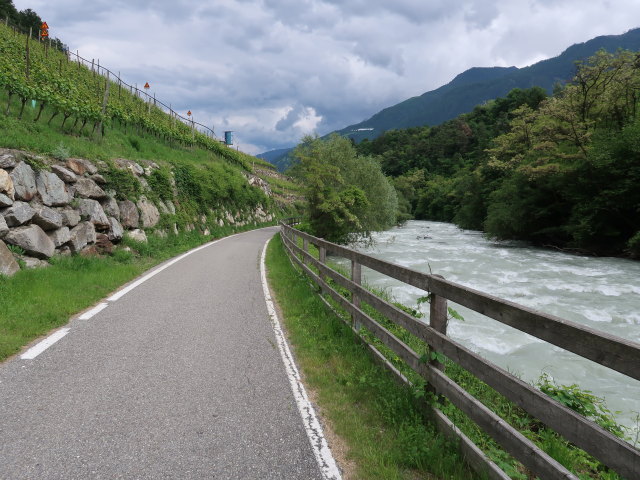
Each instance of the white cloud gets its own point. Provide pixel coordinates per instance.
(272, 70)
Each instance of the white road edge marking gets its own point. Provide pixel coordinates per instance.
(121, 293)
(90, 313)
(40, 347)
(328, 467)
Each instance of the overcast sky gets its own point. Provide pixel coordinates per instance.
(274, 70)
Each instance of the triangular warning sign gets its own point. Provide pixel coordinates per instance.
(146, 85)
(44, 26)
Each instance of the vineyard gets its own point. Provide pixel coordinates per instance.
(87, 99)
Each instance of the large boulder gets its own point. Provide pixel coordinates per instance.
(92, 211)
(133, 167)
(18, 214)
(70, 217)
(99, 179)
(8, 264)
(149, 214)
(6, 184)
(4, 228)
(60, 236)
(80, 166)
(103, 244)
(10, 158)
(32, 240)
(47, 218)
(64, 174)
(24, 182)
(52, 190)
(30, 262)
(82, 235)
(137, 235)
(110, 207)
(5, 201)
(129, 215)
(256, 181)
(87, 188)
(115, 230)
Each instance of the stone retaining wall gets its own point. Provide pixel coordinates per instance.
(64, 208)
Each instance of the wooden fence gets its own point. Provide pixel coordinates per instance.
(616, 353)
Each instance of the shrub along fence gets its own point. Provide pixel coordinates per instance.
(615, 353)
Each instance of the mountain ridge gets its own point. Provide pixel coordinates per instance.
(475, 86)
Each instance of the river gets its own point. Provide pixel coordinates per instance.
(602, 293)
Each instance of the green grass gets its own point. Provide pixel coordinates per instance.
(380, 421)
(33, 302)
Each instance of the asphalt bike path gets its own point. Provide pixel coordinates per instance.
(177, 376)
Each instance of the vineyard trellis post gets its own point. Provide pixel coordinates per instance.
(27, 56)
(104, 105)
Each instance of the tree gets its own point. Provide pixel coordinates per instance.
(347, 196)
(8, 10)
(28, 19)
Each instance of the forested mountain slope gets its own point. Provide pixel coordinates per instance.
(478, 85)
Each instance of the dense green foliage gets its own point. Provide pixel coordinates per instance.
(347, 195)
(559, 171)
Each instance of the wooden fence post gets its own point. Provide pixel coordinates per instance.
(27, 56)
(437, 321)
(356, 277)
(105, 100)
(305, 247)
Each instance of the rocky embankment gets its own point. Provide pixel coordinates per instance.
(50, 207)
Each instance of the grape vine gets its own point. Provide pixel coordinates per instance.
(70, 90)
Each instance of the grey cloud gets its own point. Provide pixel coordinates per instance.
(290, 118)
(238, 64)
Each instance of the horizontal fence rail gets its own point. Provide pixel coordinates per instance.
(616, 353)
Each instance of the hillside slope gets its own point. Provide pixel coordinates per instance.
(478, 85)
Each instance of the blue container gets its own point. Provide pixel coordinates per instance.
(228, 137)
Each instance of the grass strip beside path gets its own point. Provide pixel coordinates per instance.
(33, 302)
(379, 421)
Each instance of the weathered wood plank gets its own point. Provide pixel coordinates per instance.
(611, 450)
(616, 353)
(608, 350)
(472, 454)
(475, 457)
(356, 277)
(509, 438)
